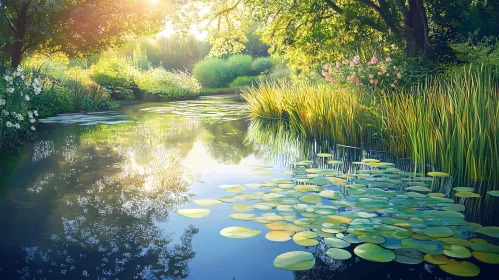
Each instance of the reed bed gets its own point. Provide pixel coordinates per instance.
(450, 123)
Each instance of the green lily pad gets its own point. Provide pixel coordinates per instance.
(394, 232)
(408, 256)
(485, 257)
(467, 195)
(305, 238)
(489, 231)
(457, 251)
(279, 236)
(438, 174)
(485, 247)
(194, 213)
(207, 202)
(438, 231)
(391, 243)
(375, 253)
(418, 189)
(427, 247)
(243, 217)
(242, 207)
(338, 254)
(334, 242)
(493, 193)
(311, 198)
(462, 189)
(464, 268)
(436, 259)
(324, 155)
(374, 239)
(227, 199)
(295, 261)
(239, 232)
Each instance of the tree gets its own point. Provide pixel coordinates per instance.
(308, 30)
(75, 27)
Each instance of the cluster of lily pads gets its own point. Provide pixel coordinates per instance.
(383, 213)
(85, 119)
(204, 109)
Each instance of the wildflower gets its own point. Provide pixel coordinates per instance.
(357, 83)
(396, 72)
(379, 73)
(32, 128)
(5, 112)
(374, 60)
(383, 68)
(388, 59)
(352, 64)
(35, 112)
(2, 102)
(371, 76)
(393, 85)
(324, 73)
(17, 126)
(356, 59)
(338, 65)
(32, 120)
(371, 81)
(399, 75)
(8, 124)
(375, 82)
(344, 62)
(26, 97)
(326, 66)
(10, 90)
(369, 63)
(30, 114)
(19, 117)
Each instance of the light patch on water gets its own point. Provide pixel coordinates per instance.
(42, 150)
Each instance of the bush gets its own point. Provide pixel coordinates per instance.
(157, 83)
(121, 93)
(261, 65)
(113, 72)
(213, 72)
(239, 65)
(243, 81)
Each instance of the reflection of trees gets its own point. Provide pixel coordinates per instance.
(109, 228)
(226, 142)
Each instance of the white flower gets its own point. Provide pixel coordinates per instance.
(8, 124)
(32, 128)
(35, 112)
(32, 120)
(5, 112)
(36, 82)
(19, 117)
(10, 90)
(2, 102)
(26, 97)
(19, 68)
(23, 77)
(17, 126)
(30, 114)
(27, 84)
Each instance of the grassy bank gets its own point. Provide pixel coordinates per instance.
(450, 123)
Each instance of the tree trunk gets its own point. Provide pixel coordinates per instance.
(17, 47)
(416, 33)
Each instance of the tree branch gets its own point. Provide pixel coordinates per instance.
(333, 6)
(384, 13)
(12, 27)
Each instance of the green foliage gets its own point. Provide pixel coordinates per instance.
(261, 65)
(239, 65)
(213, 72)
(57, 99)
(243, 81)
(113, 72)
(159, 84)
(121, 93)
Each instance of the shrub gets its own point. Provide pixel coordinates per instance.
(243, 81)
(239, 65)
(157, 83)
(261, 65)
(113, 72)
(213, 72)
(16, 94)
(121, 93)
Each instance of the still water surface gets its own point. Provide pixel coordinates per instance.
(100, 201)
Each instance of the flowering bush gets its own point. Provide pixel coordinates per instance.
(15, 96)
(373, 74)
(160, 84)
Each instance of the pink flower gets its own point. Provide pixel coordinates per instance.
(388, 59)
(395, 81)
(379, 73)
(371, 76)
(374, 60)
(357, 83)
(338, 65)
(371, 81)
(393, 85)
(352, 64)
(324, 73)
(383, 68)
(375, 82)
(396, 72)
(399, 75)
(369, 63)
(326, 66)
(344, 62)
(356, 59)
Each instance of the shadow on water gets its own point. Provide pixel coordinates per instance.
(276, 141)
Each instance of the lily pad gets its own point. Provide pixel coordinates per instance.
(239, 232)
(375, 253)
(462, 189)
(436, 259)
(438, 174)
(279, 235)
(485, 257)
(334, 242)
(489, 231)
(438, 231)
(243, 217)
(493, 193)
(305, 238)
(485, 247)
(295, 261)
(338, 254)
(428, 247)
(457, 251)
(408, 256)
(242, 207)
(464, 268)
(194, 213)
(467, 195)
(207, 202)
(374, 239)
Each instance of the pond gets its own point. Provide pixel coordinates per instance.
(98, 196)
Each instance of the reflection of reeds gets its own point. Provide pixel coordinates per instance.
(449, 123)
